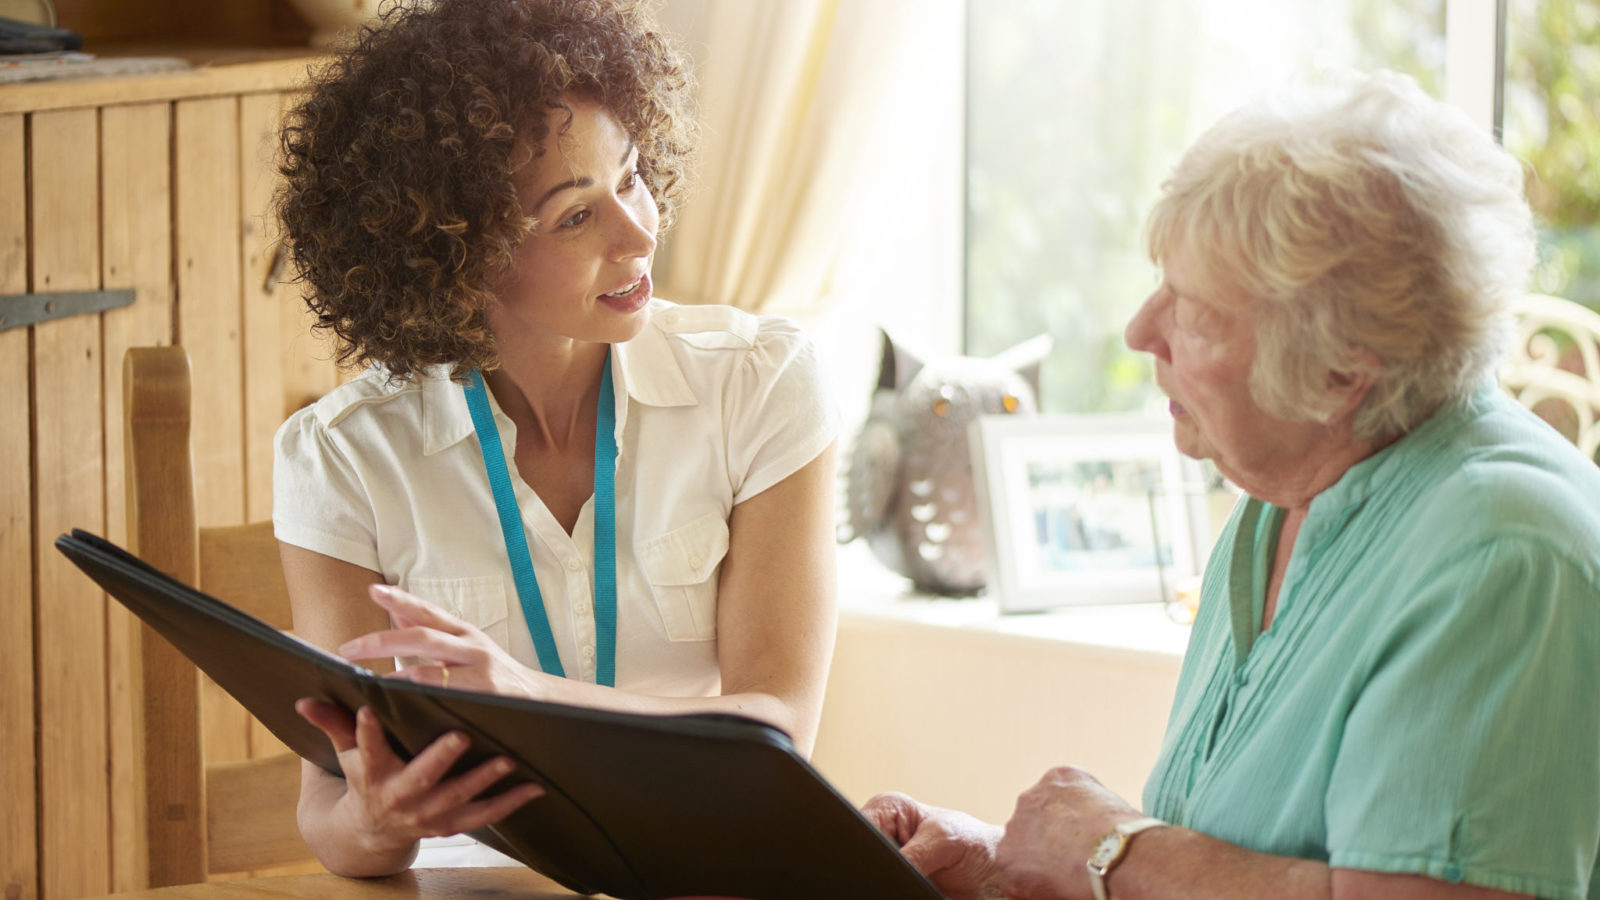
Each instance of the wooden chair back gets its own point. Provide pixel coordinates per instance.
(199, 819)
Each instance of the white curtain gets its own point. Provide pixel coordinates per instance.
(790, 93)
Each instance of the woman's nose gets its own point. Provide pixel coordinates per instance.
(636, 232)
(1143, 332)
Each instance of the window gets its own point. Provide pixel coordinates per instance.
(1552, 77)
(1076, 111)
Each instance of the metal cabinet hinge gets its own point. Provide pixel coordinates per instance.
(18, 310)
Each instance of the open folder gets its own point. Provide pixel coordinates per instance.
(636, 806)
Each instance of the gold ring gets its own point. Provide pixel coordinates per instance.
(444, 677)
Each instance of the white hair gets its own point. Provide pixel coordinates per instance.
(1356, 214)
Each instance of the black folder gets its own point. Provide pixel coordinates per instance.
(636, 806)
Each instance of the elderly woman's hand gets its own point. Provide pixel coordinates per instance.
(1050, 836)
(457, 654)
(955, 850)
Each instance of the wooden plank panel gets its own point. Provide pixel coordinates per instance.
(136, 237)
(19, 833)
(206, 187)
(136, 209)
(74, 848)
(308, 367)
(260, 298)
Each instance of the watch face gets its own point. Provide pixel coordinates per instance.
(1106, 851)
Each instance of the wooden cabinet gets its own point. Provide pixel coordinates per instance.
(253, 22)
(161, 184)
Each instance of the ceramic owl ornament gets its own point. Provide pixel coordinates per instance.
(909, 481)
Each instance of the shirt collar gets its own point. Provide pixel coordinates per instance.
(647, 369)
(1383, 469)
(644, 369)
(1391, 472)
(445, 419)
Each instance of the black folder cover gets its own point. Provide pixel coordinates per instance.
(636, 806)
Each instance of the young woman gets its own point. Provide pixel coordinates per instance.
(547, 483)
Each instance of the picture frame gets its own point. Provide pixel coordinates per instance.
(1086, 509)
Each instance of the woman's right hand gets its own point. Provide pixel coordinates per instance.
(389, 804)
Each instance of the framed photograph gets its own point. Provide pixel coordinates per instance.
(1086, 509)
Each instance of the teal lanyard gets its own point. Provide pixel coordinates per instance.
(605, 529)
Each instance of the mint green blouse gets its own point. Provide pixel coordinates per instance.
(1427, 700)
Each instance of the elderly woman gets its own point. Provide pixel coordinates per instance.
(1391, 688)
(547, 483)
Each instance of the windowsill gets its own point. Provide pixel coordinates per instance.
(960, 706)
(870, 595)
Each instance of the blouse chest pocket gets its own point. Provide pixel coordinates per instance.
(480, 602)
(681, 567)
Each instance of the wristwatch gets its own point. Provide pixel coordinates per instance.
(1110, 851)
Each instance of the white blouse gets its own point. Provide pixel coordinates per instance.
(714, 406)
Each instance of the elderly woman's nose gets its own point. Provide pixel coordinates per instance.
(1142, 333)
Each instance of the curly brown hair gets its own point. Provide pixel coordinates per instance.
(398, 202)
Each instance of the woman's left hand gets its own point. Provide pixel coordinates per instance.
(1054, 829)
(423, 631)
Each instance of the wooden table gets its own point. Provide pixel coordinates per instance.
(479, 884)
(417, 884)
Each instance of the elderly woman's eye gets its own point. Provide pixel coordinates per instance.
(1190, 314)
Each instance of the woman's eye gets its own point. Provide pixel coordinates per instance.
(1201, 322)
(629, 182)
(575, 219)
(1189, 313)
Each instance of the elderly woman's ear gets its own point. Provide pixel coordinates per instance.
(1347, 387)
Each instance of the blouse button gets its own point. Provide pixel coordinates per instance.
(588, 652)
(695, 561)
(580, 607)
(573, 565)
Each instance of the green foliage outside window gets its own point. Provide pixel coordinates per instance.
(1552, 120)
(1553, 124)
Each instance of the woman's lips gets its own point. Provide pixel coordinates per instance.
(632, 301)
(1176, 408)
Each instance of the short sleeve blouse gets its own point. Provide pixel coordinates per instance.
(714, 406)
